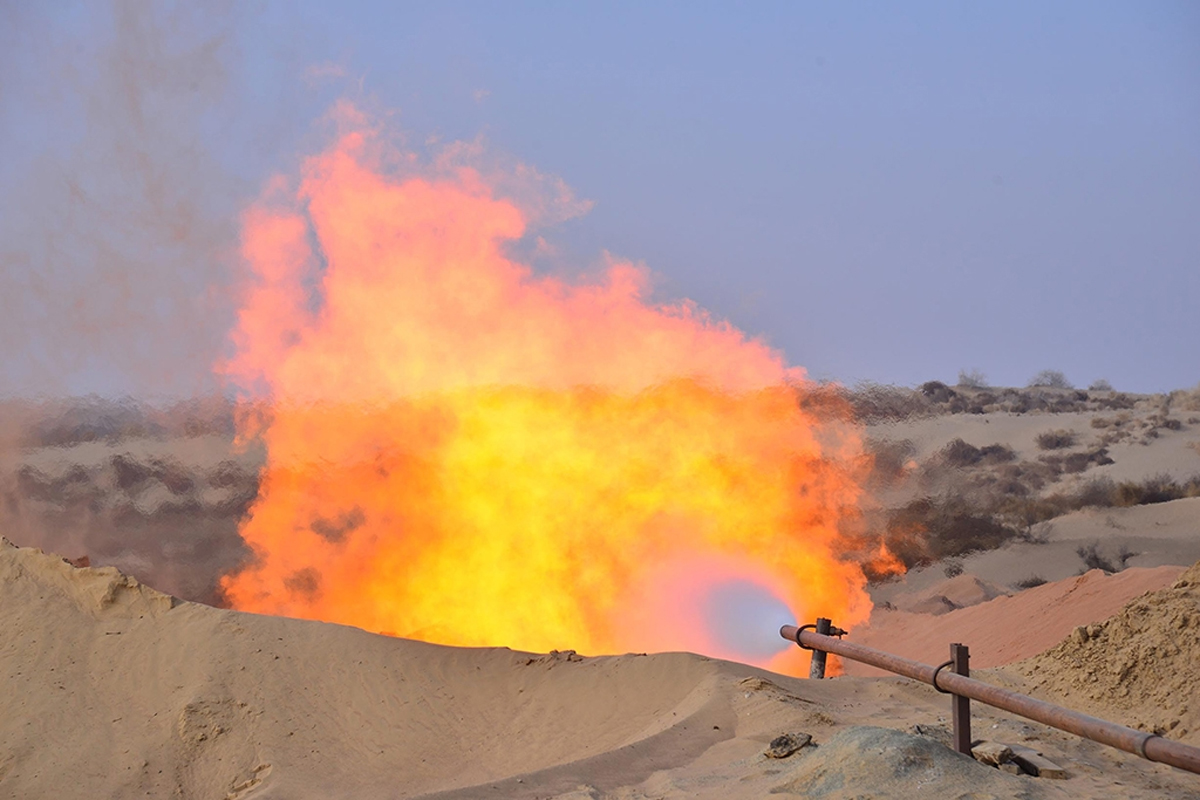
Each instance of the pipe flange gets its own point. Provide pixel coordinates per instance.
(1140, 747)
(941, 667)
(801, 630)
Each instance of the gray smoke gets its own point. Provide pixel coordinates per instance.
(118, 214)
(125, 162)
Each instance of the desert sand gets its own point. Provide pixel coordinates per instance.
(115, 689)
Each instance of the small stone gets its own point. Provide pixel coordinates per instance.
(992, 753)
(783, 746)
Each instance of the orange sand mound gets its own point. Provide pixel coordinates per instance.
(1008, 629)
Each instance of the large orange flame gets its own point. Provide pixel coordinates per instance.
(463, 451)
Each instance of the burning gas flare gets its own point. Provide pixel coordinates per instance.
(466, 452)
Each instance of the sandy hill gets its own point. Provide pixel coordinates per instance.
(1138, 667)
(116, 690)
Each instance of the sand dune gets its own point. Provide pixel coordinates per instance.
(119, 691)
(1008, 628)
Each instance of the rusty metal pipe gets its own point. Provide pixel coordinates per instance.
(1147, 745)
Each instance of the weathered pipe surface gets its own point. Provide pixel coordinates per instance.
(1147, 745)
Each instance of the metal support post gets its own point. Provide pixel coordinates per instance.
(960, 704)
(817, 668)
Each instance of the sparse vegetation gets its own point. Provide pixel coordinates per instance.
(930, 529)
(959, 453)
(937, 391)
(1077, 462)
(872, 402)
(1093, 559)
(1097, 493)
(1030, 582)
(1100, 385)
(972, 379)
(1050, 379)
(1056, 440)
(890, 459)
(875, 403)
(934, 528)
(1185, 400)
(953, 568)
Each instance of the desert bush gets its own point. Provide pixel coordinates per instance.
(889, 458)
(1050, 378)
(972, 379)
(1056, 440)
(1092, 559)
(1171, 424)
(1097, 493)
(1116, 402)
(1186, 400)
(931, 529)
(1158, 489)
(959, 453)
(985, 516)
(1100, 385)
(953, 569)
(826, 401)
(1073, 463)
(937, 391)
(877, 403)
(1030, 582)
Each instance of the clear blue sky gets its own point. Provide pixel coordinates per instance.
(888, 192)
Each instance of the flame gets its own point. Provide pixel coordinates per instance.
(463, 451)
(884, 563)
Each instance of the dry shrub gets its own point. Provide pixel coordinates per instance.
(1185, 399)
(872, 402)
(1056, 440)
(972, 379)
(1092, 559)
(826, 401)
(1158, 489)
(1115, 402)
(1074, 463)
(1030, 582)
(889, 459)
(1050, 378)
(1160, 421)
(930, 529)
(959, 453)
